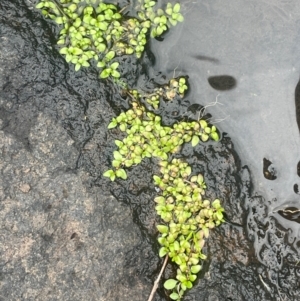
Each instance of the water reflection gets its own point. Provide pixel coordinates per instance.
(257, 43)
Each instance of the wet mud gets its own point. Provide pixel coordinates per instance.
(67, 233)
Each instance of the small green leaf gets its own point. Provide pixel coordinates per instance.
(64, 50)
(159, 200)
(68, 57)
(195, 140)
(40, 5)
(195, 269)
(119, 143)
(204, 137)
(173, 22)
(110, 174)
(192, 278)
(78, 36)
(117, 155)
(163, 251)
(203, 124)
(100, 64)
(114, 65)
(153, 33)
(77, 23)
(85, 64)
(116, 163)
(174, 296)
(101, 47)
(156, 20)
(77, 51)
(169, 11)
(59, 20)
(121, 173)
(214, 136)
(219, 215)
(72, 7)
(105, 73)
(103, 26)
(180, 18)
(188, 284)
(156, 179)
(110, 55)
(112, 125)
(162, 229)
(206, 232)
(159, 30)
(117, 16)
(170, 284)
(115, 74)
(77, 67)
(176, 8)
(123, 127)
(129, 50)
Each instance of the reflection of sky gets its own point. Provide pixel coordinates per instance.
(258, 43)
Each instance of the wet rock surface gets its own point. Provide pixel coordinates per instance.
(66, 233)
(59, 240)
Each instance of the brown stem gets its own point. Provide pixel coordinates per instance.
(155, 285)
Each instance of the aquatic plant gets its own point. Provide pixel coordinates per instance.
(92, 30)
(186, 214)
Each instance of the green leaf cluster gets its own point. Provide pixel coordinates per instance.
(187, 216)
(160, 19)
(147, 137)
(94, 30)
(175, 87)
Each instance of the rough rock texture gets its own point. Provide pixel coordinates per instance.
(60, 241)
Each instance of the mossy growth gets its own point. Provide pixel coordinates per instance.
(94, 30)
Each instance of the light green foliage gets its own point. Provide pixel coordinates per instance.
(147, 137)
(186, 214)
(92, 30)
(176, 86)
(189, 216)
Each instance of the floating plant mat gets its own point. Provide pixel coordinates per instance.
(84, 106)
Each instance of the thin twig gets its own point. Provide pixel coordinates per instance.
(156, 282)
(121, 11)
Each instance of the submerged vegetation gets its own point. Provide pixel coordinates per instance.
(92, 30)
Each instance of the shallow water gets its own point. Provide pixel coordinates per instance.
(257, 43)
(243, 60)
